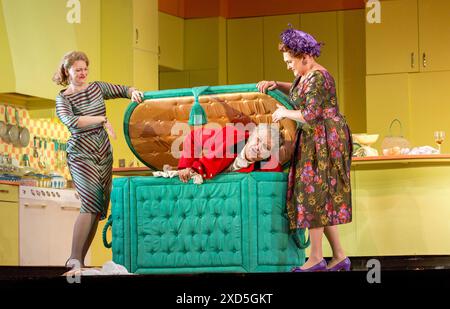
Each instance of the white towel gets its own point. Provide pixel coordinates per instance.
(167, 172)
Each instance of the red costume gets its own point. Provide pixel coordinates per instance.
(210, 151)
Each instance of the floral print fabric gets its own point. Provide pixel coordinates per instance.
(319, 190)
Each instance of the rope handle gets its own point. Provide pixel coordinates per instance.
(105, 230)
(401, 127)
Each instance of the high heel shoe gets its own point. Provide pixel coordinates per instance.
(73, 264)
(321, 266)
(343, 265)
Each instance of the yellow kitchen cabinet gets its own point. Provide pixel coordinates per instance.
(173, 80)
(9, 225)
(323, 27)
(387, 98)
(274, 66)
(430, 107)
(434, 35)
(145, 70)
(145, 25)
(124, 62)
(392, 45)
(203, 78)
(352, 68)
(222, 53)
(245, 50)
(126, 58)
(413, 36)
(402, 209)
(171, 41)
(201, 43)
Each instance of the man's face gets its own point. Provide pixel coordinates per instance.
(258, 146)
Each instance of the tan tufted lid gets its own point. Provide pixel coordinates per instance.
(153, 127)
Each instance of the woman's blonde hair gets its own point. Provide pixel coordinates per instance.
(61, 76)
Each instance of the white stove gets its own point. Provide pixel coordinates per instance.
(47, 217)
(67, 196)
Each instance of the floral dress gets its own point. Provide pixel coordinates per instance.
(319, 191)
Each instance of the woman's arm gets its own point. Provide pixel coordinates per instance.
(113, 91)
(84, 121)
(282, 112)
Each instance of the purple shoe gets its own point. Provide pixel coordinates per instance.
(321, 266)
(343, 265)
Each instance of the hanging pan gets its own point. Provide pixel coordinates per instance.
(3, 126)
(12, 131)
(24, 134)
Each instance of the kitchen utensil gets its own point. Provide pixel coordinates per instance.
(35, 151)
(41, 162)
(24, 134)
(12, 131)
(25, 160)
(3, 126)
(46, 160)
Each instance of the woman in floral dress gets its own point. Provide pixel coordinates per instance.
(319, 191)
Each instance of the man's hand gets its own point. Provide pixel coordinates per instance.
(185, 174)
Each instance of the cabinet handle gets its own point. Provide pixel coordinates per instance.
(137, 35)
(69, 208)
(412, 60)
(424, 60)
(35, 206)
(4, 191)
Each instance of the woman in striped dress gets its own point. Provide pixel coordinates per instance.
(81, 107)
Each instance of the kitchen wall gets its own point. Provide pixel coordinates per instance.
(41, 128)
(219, 51)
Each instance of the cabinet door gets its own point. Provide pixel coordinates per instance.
(62, 217)
(392, 45)
(145, 72)
(274, 66)
(34, 233)
(429, 107)
(9, 233)
(171, 41)
(245, 50)
(201, 43)
(387, 99)
(434, 29)
(323, 27)
(352, 68)
(145, 17)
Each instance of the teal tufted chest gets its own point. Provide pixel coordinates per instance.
(235, 222)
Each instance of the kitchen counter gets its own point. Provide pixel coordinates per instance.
(401, 205)
(10, 183)
(356, 162)
(132, 171)
(402, 159)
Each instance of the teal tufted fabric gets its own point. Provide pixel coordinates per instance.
(120, 217)
(233, 223)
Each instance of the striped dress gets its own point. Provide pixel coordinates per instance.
(89, 153)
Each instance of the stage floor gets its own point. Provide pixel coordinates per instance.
(415, 271)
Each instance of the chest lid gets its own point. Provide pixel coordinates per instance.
(155, 128)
